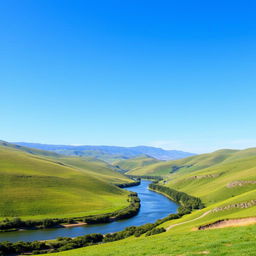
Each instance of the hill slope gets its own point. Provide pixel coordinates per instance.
(230, 241)
(134, 163)
(33, 186)
(99, 169)
(194, 163)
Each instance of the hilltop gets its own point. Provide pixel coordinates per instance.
(132, 164)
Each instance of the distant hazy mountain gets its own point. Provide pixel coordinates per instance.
(110, 153)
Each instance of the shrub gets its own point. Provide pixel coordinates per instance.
(155, 231)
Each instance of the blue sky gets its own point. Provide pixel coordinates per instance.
(174, 74)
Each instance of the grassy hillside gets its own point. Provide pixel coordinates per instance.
(134, 163)
(33, 151)
(97, 168)
(225, 242)
(33, 186)
(226, 189)
(194, 163)
(214, 184)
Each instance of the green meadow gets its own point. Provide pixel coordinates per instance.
(35, 185)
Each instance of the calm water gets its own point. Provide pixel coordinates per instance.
(154, 206)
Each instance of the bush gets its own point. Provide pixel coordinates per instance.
(61, 244)
(155, 231)
(188, 203)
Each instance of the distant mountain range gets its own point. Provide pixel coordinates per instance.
(110, 153)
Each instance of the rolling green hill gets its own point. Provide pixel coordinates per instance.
(33, 151)
(135, 163)
(97, 168)
(214, 184)
(35, 184)
(194, 163)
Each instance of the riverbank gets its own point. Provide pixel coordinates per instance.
(17, 224)
(154, 206)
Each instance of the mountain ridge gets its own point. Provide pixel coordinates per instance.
(110, 153)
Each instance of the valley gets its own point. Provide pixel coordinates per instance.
(70, 187)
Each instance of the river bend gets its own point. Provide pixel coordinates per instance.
(154, 206)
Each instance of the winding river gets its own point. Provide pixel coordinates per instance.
(154, 206)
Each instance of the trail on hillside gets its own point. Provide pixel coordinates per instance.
(181, 223)
(230, 223)
(219, 224)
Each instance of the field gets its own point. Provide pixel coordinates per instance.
(35, 185)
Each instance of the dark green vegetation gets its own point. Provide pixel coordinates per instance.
(146, 177)
(61, 244)
(131, 184)
(155, 231)
(131, 231)
(188, 203)
(17, 223)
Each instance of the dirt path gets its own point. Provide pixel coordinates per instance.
(230, 223)
(181, 223)
(219, 224)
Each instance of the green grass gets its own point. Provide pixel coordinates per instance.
(238, 241)
(97, 168)
(210, 184)
(194, 163)
(33, 186)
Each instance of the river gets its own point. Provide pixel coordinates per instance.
(154, 206)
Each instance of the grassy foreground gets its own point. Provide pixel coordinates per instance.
(229, 241)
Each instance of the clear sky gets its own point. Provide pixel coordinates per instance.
(175, 74)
